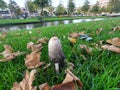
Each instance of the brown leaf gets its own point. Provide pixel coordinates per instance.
(44, 86)
(116, 28)
(111, 48)
(74, 35)
(32, 60)
(69, 82)
(70, 65)
(26, 83)
(114, 41)
(3, 35)
(34, 47)
(87, 49)
(72, 40)
(42, 40)
(8, 53)
(12, 56)
(66, 86)
(99, 31)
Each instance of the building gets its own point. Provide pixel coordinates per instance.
(5, 13)
(103, 3)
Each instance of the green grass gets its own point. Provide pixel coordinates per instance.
(101, 71)
(14, 21)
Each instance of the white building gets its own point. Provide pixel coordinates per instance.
(5, 13)
(103, 3)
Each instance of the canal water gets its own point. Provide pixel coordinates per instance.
(35, 25)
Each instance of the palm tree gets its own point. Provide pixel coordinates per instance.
(42, 4)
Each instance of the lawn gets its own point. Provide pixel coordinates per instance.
(28, 20)
(101, 71)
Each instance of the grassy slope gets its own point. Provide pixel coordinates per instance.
(9, 21)
(100, 72)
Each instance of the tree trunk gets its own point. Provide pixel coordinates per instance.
(42, 15)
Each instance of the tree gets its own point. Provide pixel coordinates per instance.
(17, 11)
(60, 9)
(71, 6)
(85, 7)
(42, 4)
(14, 8)
(50, 9)
(79, 10)
(31, 6)
(115, 5)
(95, 8)
(2, 4)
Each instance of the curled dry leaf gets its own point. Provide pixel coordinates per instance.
(70, 65)
(3, 35)
(44, 86)
(99, 31)
(8, 53)
(32, 60)
(74, 35)
(87, 49)
(71, 82)
(72, 40)
(116, 28)
(8, 50)
(114, 41)
(34, 47)
(26, 83)
(42, 40)
(111, 48)
(66, 86)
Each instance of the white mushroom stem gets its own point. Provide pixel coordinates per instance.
(57, 69)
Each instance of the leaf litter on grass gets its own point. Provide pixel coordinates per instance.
(9, 54)
(112, 45)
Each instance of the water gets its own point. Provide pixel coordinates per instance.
(35, 25)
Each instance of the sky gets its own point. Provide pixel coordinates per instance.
(55, 3)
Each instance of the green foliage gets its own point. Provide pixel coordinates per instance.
(14, 8)
(60, 9)
(115, 5)
(50, 9)
(71, 7)
(2, 4)
(79, 10)
(95, 8)
(42, 4)
(31, 6)
(86, 6)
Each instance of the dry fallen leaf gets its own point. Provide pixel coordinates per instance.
(44, 86)
(66, 86)
(42, 40)
(70, 65)
(114, 41)
(26, 83)
(72, 40)
(32, 60)
(74, 35)
(99, 31)
(3, 35)
(71, 82)
(8, 53)
(87, 49)
(111, 48)
(116, 28)
(34, 47)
